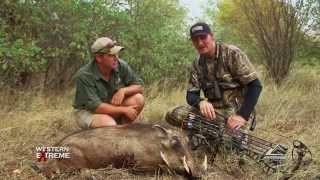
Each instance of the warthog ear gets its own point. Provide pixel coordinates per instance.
(163, 131)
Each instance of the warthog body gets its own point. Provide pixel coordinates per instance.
(139, 147)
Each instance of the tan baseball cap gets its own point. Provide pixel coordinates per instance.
(105, 45)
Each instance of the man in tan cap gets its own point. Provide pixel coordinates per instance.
(108, 92)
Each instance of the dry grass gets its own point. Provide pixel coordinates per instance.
(292, 111)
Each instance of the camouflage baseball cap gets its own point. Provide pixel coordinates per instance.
(105, 45)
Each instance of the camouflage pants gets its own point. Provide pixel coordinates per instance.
(177, 115)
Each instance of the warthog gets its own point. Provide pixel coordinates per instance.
(138, 147)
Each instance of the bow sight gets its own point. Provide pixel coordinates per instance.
(207, 133)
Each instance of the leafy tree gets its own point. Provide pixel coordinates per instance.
(43, 42)
(274, 29)
(155, 39)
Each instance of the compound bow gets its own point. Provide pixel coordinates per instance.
(269, 154)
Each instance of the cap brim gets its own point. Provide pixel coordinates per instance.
(199, 34)
(115, 50)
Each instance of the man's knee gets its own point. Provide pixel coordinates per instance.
(178, 115)
(135, 100)
(102, 120)
(139, 99)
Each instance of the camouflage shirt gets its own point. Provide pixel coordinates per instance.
(234, 71)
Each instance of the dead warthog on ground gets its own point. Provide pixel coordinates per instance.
(138, 147)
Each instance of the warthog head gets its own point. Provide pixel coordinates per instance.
(175, 151)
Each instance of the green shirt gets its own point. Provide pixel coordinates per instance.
(92, 89)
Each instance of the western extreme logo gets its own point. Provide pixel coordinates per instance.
(52, 152)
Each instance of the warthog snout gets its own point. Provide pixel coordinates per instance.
(176, 153)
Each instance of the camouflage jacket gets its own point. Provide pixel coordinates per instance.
(234, 71)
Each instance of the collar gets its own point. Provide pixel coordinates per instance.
(217, 53)
(97, 73)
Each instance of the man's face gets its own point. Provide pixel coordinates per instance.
(204, 44)
(108, 61)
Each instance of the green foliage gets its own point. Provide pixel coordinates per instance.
(53, 38)
(232, 27)
(309, 53)
(19, 56)
(154, 40)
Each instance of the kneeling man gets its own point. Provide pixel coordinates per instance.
(108, 92)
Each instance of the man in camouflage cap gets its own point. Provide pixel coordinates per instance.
(108, 92)
(227, 78)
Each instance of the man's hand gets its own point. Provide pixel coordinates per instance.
(236, 121)
(131, 113)
(118, 97)
(207, 110)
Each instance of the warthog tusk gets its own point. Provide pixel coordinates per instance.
(205, 163)
(186, 165)
(164, 158)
